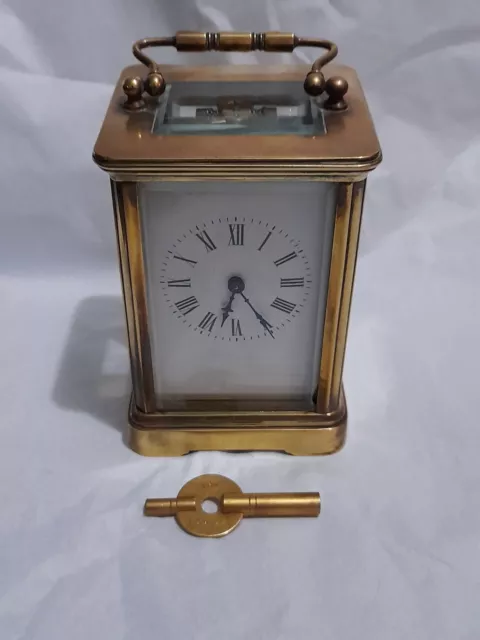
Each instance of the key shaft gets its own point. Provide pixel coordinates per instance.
(267, 505)
(163, 507)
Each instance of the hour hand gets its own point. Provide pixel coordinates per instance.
(235, 285)
(227, 309)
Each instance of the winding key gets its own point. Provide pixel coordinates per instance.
(232, 506)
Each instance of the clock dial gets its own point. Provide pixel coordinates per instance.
(236, 279)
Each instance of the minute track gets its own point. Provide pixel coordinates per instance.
(265, 257)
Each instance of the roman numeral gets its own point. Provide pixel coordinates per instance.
(236, 234)
(283, 305)
(207, 241)
(265, 240)
(292, 282)
(236, 330)
(192, 263)
(289, 256)
(186, 282)
(208, 321)
(187, 305)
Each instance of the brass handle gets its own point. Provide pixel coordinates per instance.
(272, 41)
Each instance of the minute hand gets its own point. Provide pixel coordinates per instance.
(266, 325)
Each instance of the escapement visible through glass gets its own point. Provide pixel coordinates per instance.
(238, 108)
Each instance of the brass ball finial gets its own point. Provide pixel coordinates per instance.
(155, 84)
(133, 89)
(336, 87)
(314, 83)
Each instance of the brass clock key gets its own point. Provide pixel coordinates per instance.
(232, 503)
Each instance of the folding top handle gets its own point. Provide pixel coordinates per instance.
(271, 41)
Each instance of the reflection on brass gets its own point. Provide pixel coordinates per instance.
(133, 89)
(232, 505)
(340, 289)
(154, 84)
(183, 41)
(271, 41)
(314, 83)
(279, 42)
(134, 291)
(231, 41)
(336, 88)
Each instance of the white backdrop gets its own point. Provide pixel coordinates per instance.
(396, 551)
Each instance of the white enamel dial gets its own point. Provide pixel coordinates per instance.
(237, 279)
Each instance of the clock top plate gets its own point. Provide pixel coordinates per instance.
(328, 143)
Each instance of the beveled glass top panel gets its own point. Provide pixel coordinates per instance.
(238, 108)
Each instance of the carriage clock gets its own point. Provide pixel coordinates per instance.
(237, 194)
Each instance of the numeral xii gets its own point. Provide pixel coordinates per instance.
(237, 232)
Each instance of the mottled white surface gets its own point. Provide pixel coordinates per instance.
(396, 551)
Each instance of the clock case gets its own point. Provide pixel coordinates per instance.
(132, 153)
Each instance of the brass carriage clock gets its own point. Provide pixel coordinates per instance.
(238, 196)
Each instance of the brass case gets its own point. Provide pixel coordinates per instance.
(131, 154)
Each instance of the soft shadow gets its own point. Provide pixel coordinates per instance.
(94, 375)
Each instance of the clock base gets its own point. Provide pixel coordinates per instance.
(300, 434)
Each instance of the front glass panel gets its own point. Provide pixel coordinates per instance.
(237, 277)
(243, 108)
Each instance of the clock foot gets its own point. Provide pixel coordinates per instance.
(294, 433)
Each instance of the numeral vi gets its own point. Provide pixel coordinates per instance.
(236, 329)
